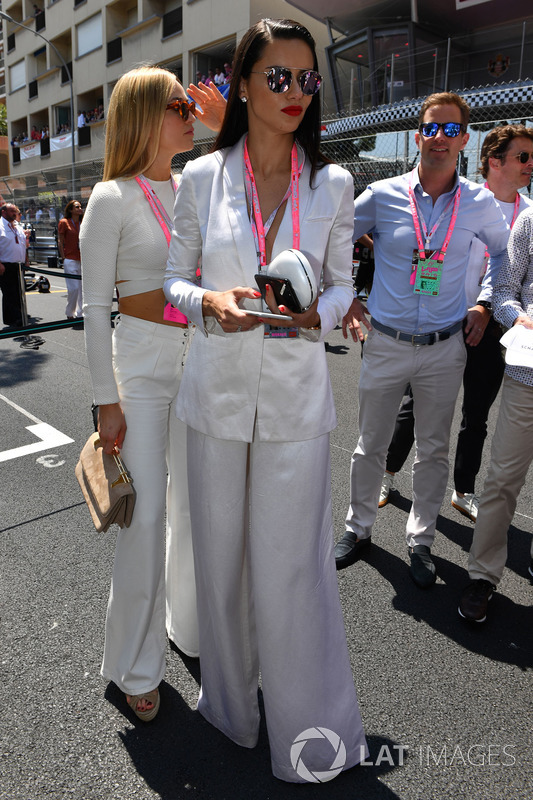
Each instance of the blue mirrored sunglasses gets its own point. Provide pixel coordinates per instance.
(279, 79)
(450, 129)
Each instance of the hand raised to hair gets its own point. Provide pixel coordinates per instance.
(213, 105)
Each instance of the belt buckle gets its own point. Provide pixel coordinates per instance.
(415, 336)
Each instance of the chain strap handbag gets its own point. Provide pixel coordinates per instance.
(106, 485)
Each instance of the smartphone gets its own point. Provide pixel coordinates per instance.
(283, 291)
(265, 314)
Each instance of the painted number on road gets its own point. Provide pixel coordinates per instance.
(50, 460)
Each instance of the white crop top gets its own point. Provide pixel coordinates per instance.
(121, 242)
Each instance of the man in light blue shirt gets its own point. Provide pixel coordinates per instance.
(423, 225)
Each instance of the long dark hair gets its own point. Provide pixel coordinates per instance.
(248, 53)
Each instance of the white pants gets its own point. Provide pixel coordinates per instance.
(74, 300)
(148, 361)
(511, 455)
(268, 598)
(435, 373)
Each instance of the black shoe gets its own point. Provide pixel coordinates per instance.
(422, 569)
(475, 600)
(350, 549)
(530, 570)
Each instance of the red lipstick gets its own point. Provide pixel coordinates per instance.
(292, 111)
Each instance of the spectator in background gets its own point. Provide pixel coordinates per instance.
(218, 77)
(68, 242)
(81, 119)
(227, 73)
(12, 256)
(35, 135)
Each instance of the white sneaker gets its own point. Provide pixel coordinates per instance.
(386, 485)
(467, 505)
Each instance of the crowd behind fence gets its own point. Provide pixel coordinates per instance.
(382, 150)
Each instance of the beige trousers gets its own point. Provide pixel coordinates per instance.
(511, 455)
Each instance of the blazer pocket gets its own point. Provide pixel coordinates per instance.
(319, 219)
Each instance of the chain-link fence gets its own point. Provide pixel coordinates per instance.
(375, 144)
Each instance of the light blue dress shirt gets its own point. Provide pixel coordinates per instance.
(383, 210)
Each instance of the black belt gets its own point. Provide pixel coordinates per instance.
(417, 338)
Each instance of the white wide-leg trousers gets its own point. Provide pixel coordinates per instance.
(435, 373)
(148, 360)
(268, 598)
(74, 297)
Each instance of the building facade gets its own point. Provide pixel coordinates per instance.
(95, 42)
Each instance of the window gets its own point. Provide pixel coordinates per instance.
(17, 76)
(172, 22)
(89, 34)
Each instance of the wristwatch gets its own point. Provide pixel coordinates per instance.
(485, 303)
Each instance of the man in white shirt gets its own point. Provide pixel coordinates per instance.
(12, 256)
(81, 119)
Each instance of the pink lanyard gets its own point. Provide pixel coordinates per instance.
(256, 218)
(429, 236)
(156, 205)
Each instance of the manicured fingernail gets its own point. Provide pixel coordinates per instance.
(257, 294)
(282, 309)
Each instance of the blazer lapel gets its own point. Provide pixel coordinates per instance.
(235, 196)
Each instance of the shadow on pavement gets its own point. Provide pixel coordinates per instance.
(504, 637)
(180, 755)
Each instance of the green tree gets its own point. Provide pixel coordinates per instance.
(3, 120)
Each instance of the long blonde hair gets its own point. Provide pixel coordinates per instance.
(134, 119)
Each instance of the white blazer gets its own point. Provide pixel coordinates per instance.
(241, 386)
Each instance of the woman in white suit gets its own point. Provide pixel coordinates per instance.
(259, 409)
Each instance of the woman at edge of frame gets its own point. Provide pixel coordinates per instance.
(136, 373)
(259, 409)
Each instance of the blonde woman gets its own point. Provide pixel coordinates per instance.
(136, 374)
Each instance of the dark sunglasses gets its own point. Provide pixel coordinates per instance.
(450, 129)
(183, 108)
(523, 156)
(279, 79)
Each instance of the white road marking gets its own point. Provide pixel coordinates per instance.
(48, 436)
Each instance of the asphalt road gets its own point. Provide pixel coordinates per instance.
(446, 707)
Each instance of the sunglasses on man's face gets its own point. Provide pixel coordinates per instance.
(183, 108)
(523, 156)
(450, 129)
(279, 80)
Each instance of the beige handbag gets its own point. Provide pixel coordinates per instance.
(106, 485)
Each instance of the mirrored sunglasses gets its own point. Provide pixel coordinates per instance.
(523, 156)
(279, 79)
(450, 129)
(183, 108)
